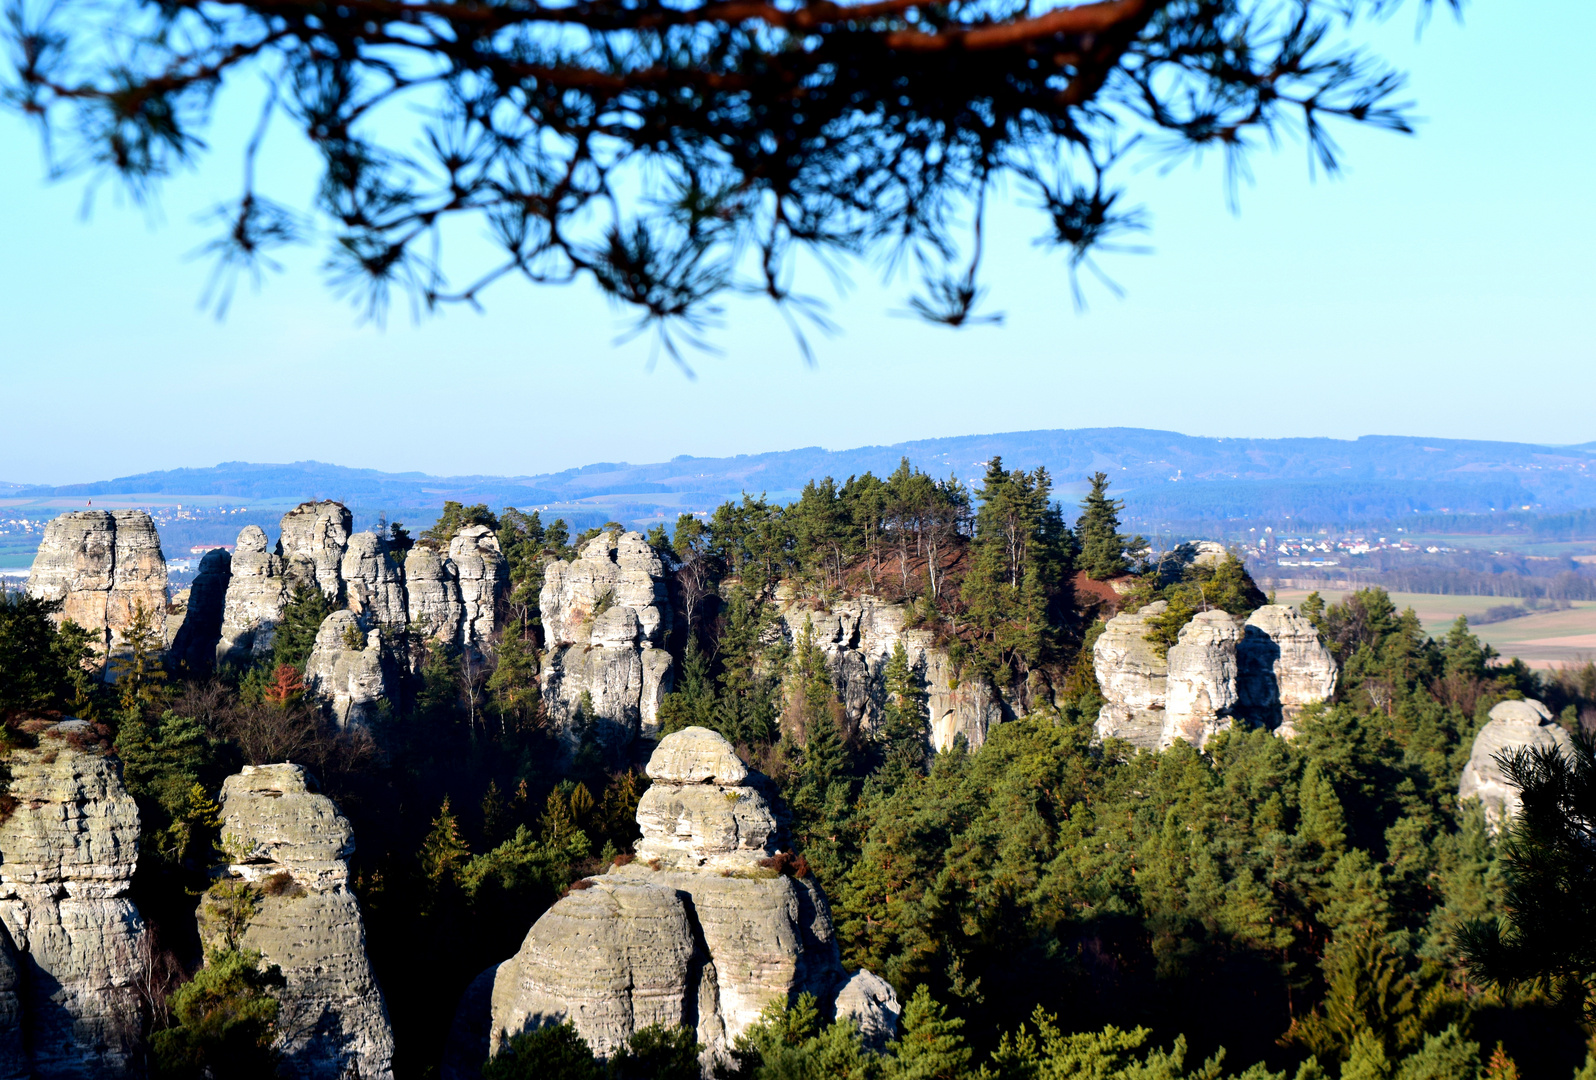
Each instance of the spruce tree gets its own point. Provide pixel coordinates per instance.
(1102, 545)
(903, 719)
(930, 1044)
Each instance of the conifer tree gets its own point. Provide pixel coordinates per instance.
(1102, 545)
(930, 1044)
(903, 719)
(443, 853)
(139, 675)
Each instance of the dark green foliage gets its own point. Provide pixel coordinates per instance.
(929, 1045)
(1103, 548)
(552, 1052)
(223, 1021)
(295, 636)
(456, 517)
(41, 668)
(904, 718)
(657, 1053)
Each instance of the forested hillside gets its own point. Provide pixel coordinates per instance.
(1046, 905)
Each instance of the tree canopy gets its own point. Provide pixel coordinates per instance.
(673, 154)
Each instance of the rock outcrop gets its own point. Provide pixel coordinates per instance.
(605, 616)
(858, 638)
(484, 577)
(374, 585)
(294, 845)
(101, 565)
(1134, 679)
(256, 592)
(314, 536)
(1281, 667)
(74, 941)
(1262, 672)
(348, 670)
(193, 646)
(1513, 725)
(702, 929)
(1201, 682)
(432, 589)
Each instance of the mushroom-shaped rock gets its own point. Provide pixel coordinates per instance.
(1201, 687)
(293, 845)
(1513, 725)
(1134, 679)
(696, 755)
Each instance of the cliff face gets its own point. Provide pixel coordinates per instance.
(484, 577)
(694, 932)
(314, 536)
(605, 616)
(348, 670)
(295, 845)
(432, 589)
(1513, 725)
(72, 947)
(193, 645)
(858, 638)
(101, 565)
(373, 585)
(256, 592)
(1262, 672)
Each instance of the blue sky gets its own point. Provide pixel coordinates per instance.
(1441, 288)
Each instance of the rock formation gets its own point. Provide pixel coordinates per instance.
(605, 616)
(1262, 672)
(1513, 725)
(347, 669)
(75, 943)
(858, 637)
(256, 592)
(194, 644)
(13, 1050)
(373, 584)
(314, 536)
(432, 588)
(1281, 666)
(293, 844)
(1134, 679)
(702, 929)
(101, 566)
(484, 576)
(1201, 682)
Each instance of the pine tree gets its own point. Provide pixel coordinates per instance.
(224, 1020)
(1102, 545)
(930, 1045)
(443, 853)
(903, 720)
(139, 675)
(1321, 822)
(295, 635)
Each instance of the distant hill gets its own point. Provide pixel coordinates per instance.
(1168, 480)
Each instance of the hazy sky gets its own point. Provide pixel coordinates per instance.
(1443, 287)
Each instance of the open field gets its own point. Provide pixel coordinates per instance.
(1545, 639)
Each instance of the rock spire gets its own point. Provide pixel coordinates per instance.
(1513, 725)
(101, 565)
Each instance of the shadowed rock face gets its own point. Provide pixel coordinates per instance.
(352, 681)
(314, 536)
(1134, 680)
(73, 942)
(295, 844)
(101, 566)
(1201, 684)
(694, 932)
(858, 638)
(256, 593)
(1513, 725)
(1282, 666)
(194, 644)
(605, 614)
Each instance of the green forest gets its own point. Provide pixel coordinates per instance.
(1045, 907)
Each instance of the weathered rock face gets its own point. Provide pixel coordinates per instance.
(294, 844)
(1172, 567)
(858, 637)
(694, 932)
(101, 566)
(373, 584)
(1513, 725)
(314, 536)
(432, 587)
(1281, 667)
(13, 1051)
(1201, 683)
(74, 940)
(484, 577)
(256, 593)
(605, 614)
(194, 644)
(347, 669)
(1134, 680)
